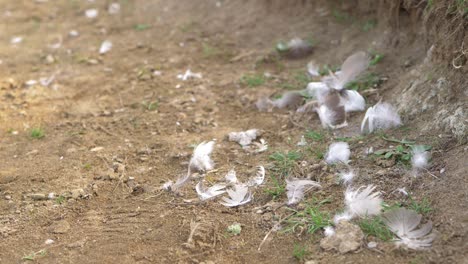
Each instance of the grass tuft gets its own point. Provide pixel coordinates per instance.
(37, 133)
(375, 227)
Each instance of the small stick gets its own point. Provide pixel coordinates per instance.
(271, 230)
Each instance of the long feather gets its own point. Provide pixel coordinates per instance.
(351, 68)
(403, 223)
(295, 189)
(211, 192)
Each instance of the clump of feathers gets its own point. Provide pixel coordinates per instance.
(403, 223)
(211, 192)
(238, 195)
(419, 158)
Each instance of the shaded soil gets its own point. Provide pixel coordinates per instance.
(114, 132)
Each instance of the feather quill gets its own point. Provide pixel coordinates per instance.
(380, 116)
(238, 195)
(295, 189)
(258, 178)
(363, 201)
(338, 152)
(350, 69)
(211, 192)
(403, 223)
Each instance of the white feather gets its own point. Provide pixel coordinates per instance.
(420, 157)
(345, 216)
(316, 89)
(363, 201)
(350, 69)
(244, 138)
(295, 188)
(302, 142)
(313, 69)
(353, 101)
(403, 223)
(211, 192)
(380, 116)
(262, 146)
(167, 186)
(201, 160)
(338, 152)
(181, 181)
(238, 195)
(258, 178)
(231, 177)
(327, 116)
(347, 177)
(329, 231)
(106, 46)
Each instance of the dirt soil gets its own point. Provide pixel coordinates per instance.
(119, 125)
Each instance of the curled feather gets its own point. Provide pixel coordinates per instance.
(295, 189)
(211, 192)
(258, 178)
(238, 195)
(403, 223)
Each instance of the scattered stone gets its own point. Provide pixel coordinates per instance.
(49, 242)
(348, 238)
(60, 227)
(310, 262)
(76, 244)
(7, 197)
(372, 244)
(38, 196)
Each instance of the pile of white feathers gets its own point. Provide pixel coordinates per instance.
(332, 103)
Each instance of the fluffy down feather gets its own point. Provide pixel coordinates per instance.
(403, 223)
(363, 201)
(313, 69)
(338, 152)
(420, 157)
(295, 188)
(380, 116)
(244, 138)
(347, 177)
(201, 160)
